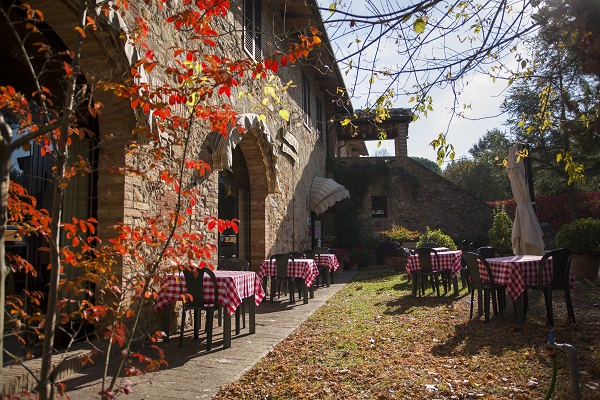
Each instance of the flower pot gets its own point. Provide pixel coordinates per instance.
(585, 266)
(399, 263)
(353, 266)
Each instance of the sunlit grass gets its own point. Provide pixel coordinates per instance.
(374, 340)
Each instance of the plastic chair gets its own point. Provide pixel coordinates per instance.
(561, 269)
(322, 269)
(489, 252)
(426, 271)
(281, 263)
(194, 280)
(464, 271)
(489, 288)
(235, 264)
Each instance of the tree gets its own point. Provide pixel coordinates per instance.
(428, 164)
(476, 177)
(552, 110)
(443, 46)
(116, 275)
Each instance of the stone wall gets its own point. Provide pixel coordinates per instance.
(418, 197)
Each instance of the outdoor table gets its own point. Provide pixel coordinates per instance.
(233, 288)
(449, 260)
(304, 268)
(329, 261)
(516, 273)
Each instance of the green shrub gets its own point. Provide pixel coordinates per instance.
(438, 237)
(582, 236)
(501, 232)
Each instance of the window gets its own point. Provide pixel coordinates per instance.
(379, 206)
(253, 27)
(306, 98)
(320, 120)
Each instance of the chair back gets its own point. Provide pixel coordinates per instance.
(234, 264)
(465, 247)
(194, 280)
(424, 254)
(430, 245)
(310, 254)
(322, 250)
(488, 252)
(281, 263)
(472, 263)
(561, 268)
(297, 255)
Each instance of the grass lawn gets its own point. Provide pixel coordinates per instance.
(373, 340)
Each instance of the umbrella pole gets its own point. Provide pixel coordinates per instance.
(529, 176)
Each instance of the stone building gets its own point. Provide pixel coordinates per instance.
(398, 190)
(263, 177)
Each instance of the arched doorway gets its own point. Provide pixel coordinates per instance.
(234, 202)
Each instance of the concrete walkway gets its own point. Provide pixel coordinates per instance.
(195, 374)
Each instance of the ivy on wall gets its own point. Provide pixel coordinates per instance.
(357, 178)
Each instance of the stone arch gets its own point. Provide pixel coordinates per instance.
(260, 153)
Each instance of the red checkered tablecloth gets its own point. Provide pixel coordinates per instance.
(517, 272)
(327, 260)
(449, 260)
(300, 268)
(233, 287)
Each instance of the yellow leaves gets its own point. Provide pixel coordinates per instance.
(420, 24)
(285, 114)
(332, 7)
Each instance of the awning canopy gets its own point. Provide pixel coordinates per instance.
(324, 193)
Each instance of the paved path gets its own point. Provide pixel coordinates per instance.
(195, 374)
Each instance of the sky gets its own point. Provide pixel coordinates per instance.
(482, 94)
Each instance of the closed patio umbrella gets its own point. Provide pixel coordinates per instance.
(526, 232)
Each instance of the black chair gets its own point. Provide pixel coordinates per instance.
(322, 269)
(489, 252)
(430, 245)
(235, 264)
(194, 300)
(281, 277)
(426, 272)
(464, 271)
(489, 288)
(561, 269)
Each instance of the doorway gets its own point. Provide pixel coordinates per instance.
(234, 202)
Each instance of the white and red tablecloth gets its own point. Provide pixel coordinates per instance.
(518, 272)
(449, 260)
(232, 286)
(304, 268)
(327, 260)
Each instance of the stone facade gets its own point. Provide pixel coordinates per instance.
(416, 197)
(281, 157)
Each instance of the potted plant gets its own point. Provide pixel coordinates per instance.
(582, 236)
(358, 255)
(438, 237)
(342, 255)
(391, 246)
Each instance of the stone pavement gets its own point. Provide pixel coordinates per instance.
(195, 374)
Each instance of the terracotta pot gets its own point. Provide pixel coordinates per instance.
(585, 266)
(399, 263)
(387, 260)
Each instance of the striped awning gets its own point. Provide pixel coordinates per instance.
(324, 193)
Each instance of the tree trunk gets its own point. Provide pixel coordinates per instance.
(5, 163)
